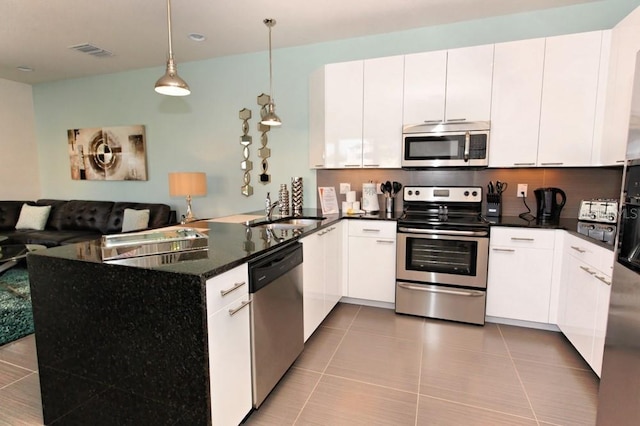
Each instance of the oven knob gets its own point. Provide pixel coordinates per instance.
(474, 193)
(612, 218)
(593, 216)
(410, 192)
(418, 192)
(609, 228)
(466, 193)
(591, 227)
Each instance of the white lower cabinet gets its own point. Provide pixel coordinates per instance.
(229, 346)
(372, 260)
(584, 297)
(520, 274)
(322, 275)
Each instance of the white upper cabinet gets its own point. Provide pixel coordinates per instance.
(335, 123)
(382, 110)
(515, 103)
(569, 95)
(448, 85)
(425, 79)
(469, 72)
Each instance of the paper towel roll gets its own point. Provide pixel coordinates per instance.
(370, 198)
(351, 196)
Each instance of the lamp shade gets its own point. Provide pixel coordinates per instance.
(187, 183)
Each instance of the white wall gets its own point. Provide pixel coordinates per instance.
(201, 132)
(19, 171)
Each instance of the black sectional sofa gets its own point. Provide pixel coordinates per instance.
(72, 221)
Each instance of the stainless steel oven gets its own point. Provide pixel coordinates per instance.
(442, 254)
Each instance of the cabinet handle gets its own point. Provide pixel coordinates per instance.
(385, 241)
(432, 121)
(244, 303)
(372, 165)
(603, 280)
(319, 165)
(619, 161)
(321, 233)
(235, 287)
(450, 120)
(370, 230)
(524, 164)
(551, 164)
(587, 270)
(352, 165)
(578, 249)
(501, 249)
(522, 239)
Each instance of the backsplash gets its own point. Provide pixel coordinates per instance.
(577, 183)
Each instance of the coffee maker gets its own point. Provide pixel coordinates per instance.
(549, 206)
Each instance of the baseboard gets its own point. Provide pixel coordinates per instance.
(520, 323)
(365, 302)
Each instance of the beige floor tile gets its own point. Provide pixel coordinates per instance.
(379, 360)
(341, 316)
(465, 336)
(319, 349)
(10, 373)
(20, 403)
(285, 402)
(432, 411)
(473, 378)
(387, 323)
(338, 401)
(565, 396)
(541, 346)
(22, 353)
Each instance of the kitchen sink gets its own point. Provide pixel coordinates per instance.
(288, 223)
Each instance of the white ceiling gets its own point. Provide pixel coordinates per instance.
(37, 33)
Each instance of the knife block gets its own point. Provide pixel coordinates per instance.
(494, 205)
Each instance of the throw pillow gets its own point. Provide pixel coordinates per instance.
(33, 217)
(134, 220)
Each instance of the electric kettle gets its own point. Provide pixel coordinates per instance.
(549, 206)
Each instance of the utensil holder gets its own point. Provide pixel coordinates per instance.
(494, 205)
(389, 204)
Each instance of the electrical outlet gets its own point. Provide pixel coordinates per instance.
(345, 187)
(522, 188)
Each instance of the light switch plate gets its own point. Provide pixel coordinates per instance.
(345, 187)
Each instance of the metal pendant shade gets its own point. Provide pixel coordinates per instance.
(170, 83)
(270, 118)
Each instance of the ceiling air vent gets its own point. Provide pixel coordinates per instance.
(90, 49)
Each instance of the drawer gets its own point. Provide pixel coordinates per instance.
(522, 237)
(592, 254)
(225, 288)
(372, 228)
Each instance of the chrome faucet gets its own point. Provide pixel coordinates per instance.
(269, 206)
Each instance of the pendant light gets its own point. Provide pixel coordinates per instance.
(170, 83)
(270, 118)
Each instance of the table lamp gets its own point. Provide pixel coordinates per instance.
(188, 184)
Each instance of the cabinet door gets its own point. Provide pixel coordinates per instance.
(316, 119)
(515, 103)
(519, 283)
(333, 267)
(343, 98)
(313, 279)
(425, 79)
(603, 283)
(372, 268)
(569, 94)
(382, 123)
(469, 74)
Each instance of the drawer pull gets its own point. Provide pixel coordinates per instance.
(442, 290)
(372, 165)
(244, 303)
(603, 280)
(235, 287)
(522, 239)
(504, 250)
(370, 230)
(551, 164)
(578, 249)
(587, 270)
(385, 241)
(352, 165)
(524, 164)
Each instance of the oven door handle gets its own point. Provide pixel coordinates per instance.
(467, 144)
(447, 232)
(431, 289)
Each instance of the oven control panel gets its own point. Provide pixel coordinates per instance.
(600, 210)
(445, 194)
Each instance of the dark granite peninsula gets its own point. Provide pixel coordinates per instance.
(134, 341)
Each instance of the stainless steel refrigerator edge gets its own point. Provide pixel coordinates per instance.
(619, 395)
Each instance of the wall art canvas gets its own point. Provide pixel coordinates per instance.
(108, 153)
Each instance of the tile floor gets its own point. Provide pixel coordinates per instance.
(369, 366)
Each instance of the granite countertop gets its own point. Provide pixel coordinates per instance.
(229, 245)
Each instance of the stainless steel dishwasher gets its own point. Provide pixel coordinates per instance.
(277, 330)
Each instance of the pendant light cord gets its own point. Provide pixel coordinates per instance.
(169, 26)
(270, 23)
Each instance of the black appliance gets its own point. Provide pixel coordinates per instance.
(442, 254)
(549, 207)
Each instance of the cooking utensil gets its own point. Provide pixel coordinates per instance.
(383, 188)
(491, 187)
(501, 186)
(397, 187)
(388, 187)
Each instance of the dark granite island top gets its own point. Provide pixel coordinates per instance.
(128, 345)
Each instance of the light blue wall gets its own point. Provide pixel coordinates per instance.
(201, 132)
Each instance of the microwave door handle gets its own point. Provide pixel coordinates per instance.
(467, 143)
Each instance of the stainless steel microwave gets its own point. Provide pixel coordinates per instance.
(446, 144)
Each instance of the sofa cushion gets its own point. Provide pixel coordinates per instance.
(159, 215)
(135, 220)
(57, 212)
(33, 217)
(9, 213)
(83, 215)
